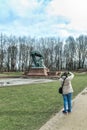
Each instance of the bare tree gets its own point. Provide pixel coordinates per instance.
(59, 54)
(69, 52)
(2, 51)
(25, 47)
(82, 50)
(12, 53)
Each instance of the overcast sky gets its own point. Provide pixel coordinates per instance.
(41, 18)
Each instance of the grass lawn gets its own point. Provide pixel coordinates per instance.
(3, 74)
(28, 107)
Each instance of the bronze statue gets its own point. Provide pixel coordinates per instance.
(37, 59)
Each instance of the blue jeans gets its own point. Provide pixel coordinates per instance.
(67, 99)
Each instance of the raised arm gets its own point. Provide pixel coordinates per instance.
(71, 75)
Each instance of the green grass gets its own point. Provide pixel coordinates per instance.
(79, 83)
(3, 74)
(28, 107)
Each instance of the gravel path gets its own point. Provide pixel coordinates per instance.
(77, 120)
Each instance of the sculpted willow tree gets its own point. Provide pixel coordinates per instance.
(37, 59)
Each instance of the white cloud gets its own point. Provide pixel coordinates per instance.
(22, 8)
(40, 18)
(74, 10)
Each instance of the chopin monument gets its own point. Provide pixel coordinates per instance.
(37, 65)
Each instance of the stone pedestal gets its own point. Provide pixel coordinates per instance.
(38, 72)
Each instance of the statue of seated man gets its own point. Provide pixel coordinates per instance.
(37, 59)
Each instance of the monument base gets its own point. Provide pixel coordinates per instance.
(38, 72)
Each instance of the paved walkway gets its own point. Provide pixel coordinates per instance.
(77, 120)
(20, 81)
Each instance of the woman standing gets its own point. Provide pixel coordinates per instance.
(67, 91)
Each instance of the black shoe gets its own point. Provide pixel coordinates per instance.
(64, 112)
